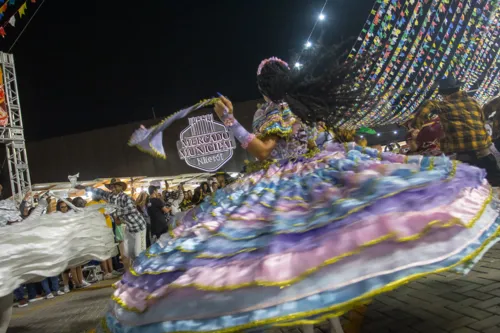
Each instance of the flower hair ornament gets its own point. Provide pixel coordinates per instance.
(272, 59)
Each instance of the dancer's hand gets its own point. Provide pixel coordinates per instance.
(227, 103)
(223, 107)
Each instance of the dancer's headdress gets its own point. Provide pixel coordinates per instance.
(266, 61)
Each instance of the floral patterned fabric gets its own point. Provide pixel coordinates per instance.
(278, 120)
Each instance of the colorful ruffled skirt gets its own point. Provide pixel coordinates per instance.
(305, 240)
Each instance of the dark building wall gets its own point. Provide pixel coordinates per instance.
(105, 152)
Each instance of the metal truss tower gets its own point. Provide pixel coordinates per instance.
(13, 133)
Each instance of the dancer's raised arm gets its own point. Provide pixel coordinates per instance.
(260, 149)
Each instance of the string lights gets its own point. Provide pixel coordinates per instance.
(308, 44)
(11, 21)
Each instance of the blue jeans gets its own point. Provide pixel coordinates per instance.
(19, 292)
(54, 285)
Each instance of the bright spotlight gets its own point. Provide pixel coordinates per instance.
(321, 17)
(378, 134)
(308, 44)
(395, 132)
(298, 65)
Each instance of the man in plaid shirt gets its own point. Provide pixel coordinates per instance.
(464, 129)
(489, 108)
(127, 213)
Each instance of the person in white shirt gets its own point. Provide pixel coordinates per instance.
(175, 201)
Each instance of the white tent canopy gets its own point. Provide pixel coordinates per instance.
(135, 184)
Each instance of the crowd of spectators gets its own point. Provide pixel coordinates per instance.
(136, 225)
(161, 207)
(73, 277)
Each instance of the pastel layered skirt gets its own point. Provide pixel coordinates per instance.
(305, 240)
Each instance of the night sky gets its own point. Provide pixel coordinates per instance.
(84, 65)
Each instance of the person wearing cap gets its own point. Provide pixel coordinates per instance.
(463, 124)
(126, 212)
(492, 109)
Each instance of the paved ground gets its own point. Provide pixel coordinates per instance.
(76, 312)
(437, 304)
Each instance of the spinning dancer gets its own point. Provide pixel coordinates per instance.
(44, 246)
(305, 237)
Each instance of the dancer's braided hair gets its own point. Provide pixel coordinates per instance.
(322, 89)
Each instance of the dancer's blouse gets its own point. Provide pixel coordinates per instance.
(279, 121)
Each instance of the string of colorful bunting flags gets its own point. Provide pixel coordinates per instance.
(21, 11)
(420, 42)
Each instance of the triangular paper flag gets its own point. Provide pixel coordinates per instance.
(3, 8)
(73, 179)
(22, 10)
(12, 2)
(12, 21)
(2, 32)
(150, 140)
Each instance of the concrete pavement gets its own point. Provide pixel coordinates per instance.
(441, 303)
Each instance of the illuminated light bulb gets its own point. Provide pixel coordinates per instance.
(378, 134)
(321, 17)
(298, 65)
(308, 44)
(395, 132)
